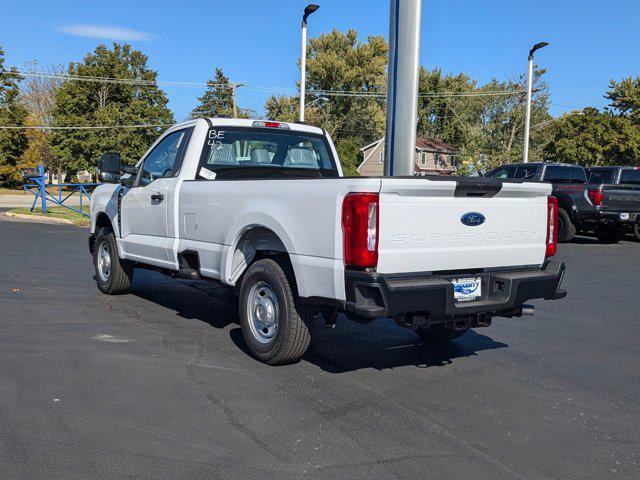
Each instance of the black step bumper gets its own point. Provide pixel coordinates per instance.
(615, 216)
(372, 295)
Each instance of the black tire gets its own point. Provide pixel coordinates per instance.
(566, 228)
(636, 230)
(120, 272)
(610, 233)
(439, 334)
(275, 326)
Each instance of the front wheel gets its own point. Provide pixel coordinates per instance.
(610, 233)
(113, 275)
(275, 326)
(636, 230)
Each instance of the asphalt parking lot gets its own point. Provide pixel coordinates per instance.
(156, 384)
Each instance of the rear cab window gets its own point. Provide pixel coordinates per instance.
(602, 175)
(630, 176)
(565, 174)
(502, 172)
(254, 152)
(527, 172)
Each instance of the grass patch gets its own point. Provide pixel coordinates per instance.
(12, 191)
(57, 212)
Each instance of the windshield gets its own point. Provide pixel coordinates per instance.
(601, 176)
(262, 152)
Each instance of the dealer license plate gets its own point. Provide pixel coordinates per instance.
(466, 289)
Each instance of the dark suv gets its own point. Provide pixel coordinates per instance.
(569, 187)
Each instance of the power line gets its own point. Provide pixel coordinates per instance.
(82, 127)
(250, 86)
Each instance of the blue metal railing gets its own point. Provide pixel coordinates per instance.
(39, 189)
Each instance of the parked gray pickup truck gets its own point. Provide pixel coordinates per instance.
(615, 195)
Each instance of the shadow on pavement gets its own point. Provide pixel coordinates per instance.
(380, 345)
(205, 301)
(395, 351)
(345, 350)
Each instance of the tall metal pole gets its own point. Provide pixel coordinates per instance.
(303, 67)
(303, 55)
(527, 118)
(402, 87)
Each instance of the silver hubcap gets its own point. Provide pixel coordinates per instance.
(263, 312)
(104, 262)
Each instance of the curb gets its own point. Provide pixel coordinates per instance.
(40, 218)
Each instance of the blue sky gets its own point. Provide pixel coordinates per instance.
(258, 42)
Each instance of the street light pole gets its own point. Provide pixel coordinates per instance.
(527, 118)
(234, 86)
(303, 56)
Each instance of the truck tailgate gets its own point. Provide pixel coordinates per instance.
(422, 229)
(620, 198)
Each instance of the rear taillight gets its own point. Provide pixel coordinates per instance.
(552, 226)
(360, 230)
(595, 196)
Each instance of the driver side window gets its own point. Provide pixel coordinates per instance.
(160, 162)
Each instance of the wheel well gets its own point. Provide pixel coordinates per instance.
(256, 243)
(567, 206)
(102, 221)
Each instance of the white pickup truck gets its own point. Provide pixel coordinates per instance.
(263, 206)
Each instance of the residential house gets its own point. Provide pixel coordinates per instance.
(432, 157)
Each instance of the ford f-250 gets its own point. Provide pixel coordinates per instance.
(263, 207)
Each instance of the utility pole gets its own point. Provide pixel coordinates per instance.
(234, 86)
(303, 55)
(527, 118)
(402, 87)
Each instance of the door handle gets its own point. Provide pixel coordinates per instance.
(157, 198)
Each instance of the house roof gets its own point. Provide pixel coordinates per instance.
(422, 143)
(366, 147)
(432, 144)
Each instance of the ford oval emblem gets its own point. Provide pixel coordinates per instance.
(472, 219)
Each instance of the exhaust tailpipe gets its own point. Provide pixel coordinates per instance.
(528, 310)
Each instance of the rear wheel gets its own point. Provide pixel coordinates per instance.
(636, 230)
(610, 233)
(439, 334)
(113, 275)
(275, 326)
(566, 228)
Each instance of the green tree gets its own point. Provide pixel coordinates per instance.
(350, 155)
(217, 100)
(591, 137)
(133, 99)
(443, 112)
(283, 108)
(337, 62)
(625, 97)
(13, 142)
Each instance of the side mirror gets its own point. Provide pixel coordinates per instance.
(129, 176)
(109, 167)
